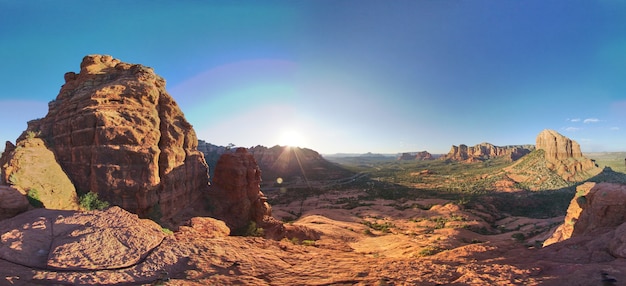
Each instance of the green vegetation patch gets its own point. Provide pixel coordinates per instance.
(33, 198)
(90, 201)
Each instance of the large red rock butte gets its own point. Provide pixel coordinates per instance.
(565, 157)
(117, 132)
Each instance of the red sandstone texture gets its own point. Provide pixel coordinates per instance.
(117, 132)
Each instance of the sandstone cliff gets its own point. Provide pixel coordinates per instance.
(564, 157)
(423, 155)
(115, 131)
(595, 207)
(484, 151)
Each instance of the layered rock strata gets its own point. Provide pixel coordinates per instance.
(116, 131)
(484, 151)
(565, 157)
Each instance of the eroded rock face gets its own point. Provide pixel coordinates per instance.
(564, 156)
(236, 194)
(31, 167)
(68, 240)
(596, 206)
(484, 151)
(116, 131)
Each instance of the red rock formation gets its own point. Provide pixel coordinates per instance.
(564, 156)
(117, 132)
(484, 151)
(236, 194)
(32, 169)
(594, 207)
(423, 155)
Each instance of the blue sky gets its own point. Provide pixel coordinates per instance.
(341, 76)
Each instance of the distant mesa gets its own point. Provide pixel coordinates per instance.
(420, 156)
(114, 130)
(485, 151)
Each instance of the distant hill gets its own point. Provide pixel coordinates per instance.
(291, 164)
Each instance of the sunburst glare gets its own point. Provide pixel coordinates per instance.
(291, 138)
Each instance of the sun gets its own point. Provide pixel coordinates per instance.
(291, 138)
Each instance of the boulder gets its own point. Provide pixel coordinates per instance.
(565, 157)
(12, 202)
(116, 131)
(76, 241)
(32, 169)
(204, 227)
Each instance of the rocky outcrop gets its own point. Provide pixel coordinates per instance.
(205, 227)
(236, 194)
(564, 157)
(32, 168)
(595, 207)
(116, 132)
(12, 202)
(74, 241)
(420, 156)
(485, 151)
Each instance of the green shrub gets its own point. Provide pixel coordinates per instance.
(33, 198)
(430, 250)
(90, 201)
(249, 230)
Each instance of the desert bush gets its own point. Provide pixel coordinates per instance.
(33, 198)
(383, 227)
(90, 201)
(32, 134)
(429, 250)
(249, 230)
